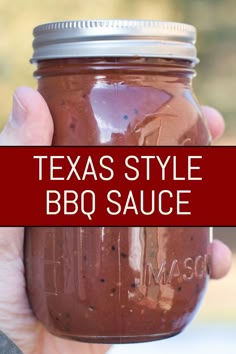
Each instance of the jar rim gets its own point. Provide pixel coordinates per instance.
(114, 38)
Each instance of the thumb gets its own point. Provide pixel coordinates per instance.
(30, 122)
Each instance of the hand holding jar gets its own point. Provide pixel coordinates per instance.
(112, 83)
(30, 123)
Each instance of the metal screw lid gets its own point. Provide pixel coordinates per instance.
(114, 38)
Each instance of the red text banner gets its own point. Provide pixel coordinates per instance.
(118, 186)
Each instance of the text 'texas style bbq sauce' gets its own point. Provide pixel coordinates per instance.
(118, 82)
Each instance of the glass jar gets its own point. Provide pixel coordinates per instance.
(118, 83)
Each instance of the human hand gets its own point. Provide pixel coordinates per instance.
(30, 123)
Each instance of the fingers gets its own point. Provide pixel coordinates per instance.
(30, 122)
(221, 259)
(215, 121)
(221, 256)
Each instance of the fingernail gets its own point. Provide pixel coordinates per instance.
(19, 112)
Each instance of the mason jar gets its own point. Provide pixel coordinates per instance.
(118, 82)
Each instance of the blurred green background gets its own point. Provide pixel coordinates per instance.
(214, 19)
(215, 83)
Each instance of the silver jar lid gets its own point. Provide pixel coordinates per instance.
(114, 38)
